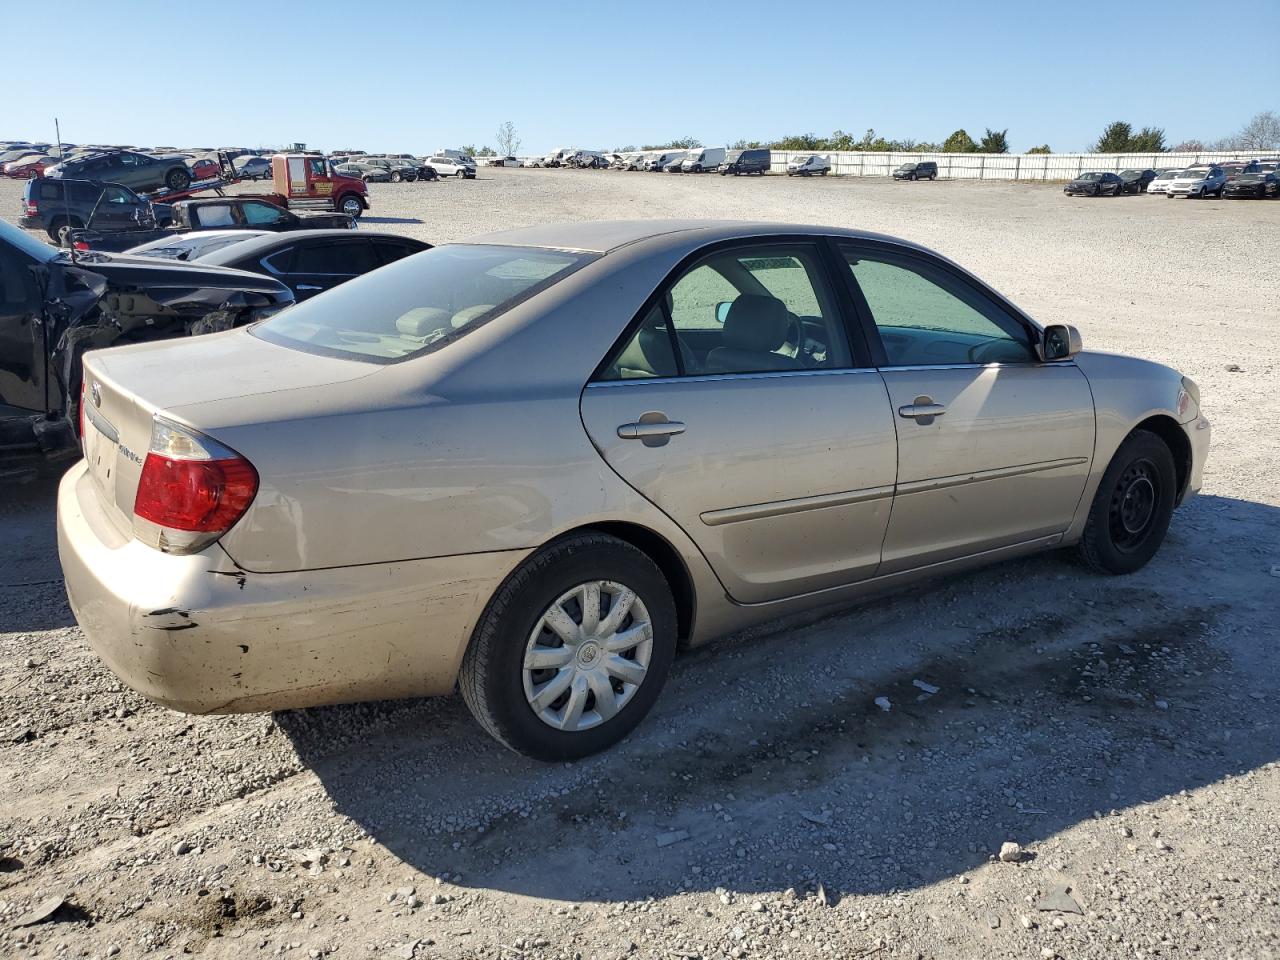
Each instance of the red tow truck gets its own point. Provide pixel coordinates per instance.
(301, 181)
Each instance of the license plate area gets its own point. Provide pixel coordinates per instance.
(101, 447)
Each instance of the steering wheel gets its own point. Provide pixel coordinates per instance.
(796, 336)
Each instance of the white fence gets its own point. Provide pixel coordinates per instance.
(1005, 166)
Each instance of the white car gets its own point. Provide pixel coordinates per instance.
(452, 167)
(636, 161)
(1162, 181)
(808, 166)
(1198, 182)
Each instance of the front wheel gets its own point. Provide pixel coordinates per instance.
(396, 176)
(351, 206)
(1132, 508)
(572, 650)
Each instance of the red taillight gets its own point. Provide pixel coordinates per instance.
(191, 490)
(80, 245)
(32, 208)
(199, 496)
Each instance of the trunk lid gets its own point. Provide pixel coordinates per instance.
(126, 387)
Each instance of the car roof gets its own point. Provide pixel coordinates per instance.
(259, 246)
(603, 236)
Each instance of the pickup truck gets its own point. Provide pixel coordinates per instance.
(215, 213)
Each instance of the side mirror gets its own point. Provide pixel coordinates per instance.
(722, 310)
(1060, 342)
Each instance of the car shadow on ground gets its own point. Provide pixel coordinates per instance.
(32, 596)
(767, 763)
(368, 219)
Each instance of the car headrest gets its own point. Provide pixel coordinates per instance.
(756, 322)
(423, 321)
(649, 354)
(463, 317)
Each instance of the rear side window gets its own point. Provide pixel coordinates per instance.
(50, 190)
(415, 307)
(334, 258)
(388, 251)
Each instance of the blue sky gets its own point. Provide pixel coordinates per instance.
(412, 76)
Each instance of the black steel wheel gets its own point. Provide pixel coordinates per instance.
(1133, 505)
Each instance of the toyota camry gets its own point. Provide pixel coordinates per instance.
(533, 465)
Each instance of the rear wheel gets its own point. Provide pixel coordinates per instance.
(572, 650)
(59, 227)
(177, 179)
(1131, 510)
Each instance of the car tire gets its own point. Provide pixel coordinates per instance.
(396, 176)
(501, 692)
(1131, 511)
(60, 226)
(911, 176)
(351, 206)
(933, 176)
(177, 179)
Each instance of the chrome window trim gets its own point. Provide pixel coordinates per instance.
(977, 366)
(712, 377)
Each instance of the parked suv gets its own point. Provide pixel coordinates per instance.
(1198, 182)
(924, 170)
(138, 171)
(452, 167)
(58, 206)
(745, 161)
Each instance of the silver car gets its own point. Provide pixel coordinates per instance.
(535, 464)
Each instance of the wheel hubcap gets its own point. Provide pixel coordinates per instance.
(587, 655)
(1133, 505)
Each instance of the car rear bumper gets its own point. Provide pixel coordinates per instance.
(201, 635)
(31, 223)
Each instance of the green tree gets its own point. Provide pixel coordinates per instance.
(959, 142)
(629, 148)
(1043, 148)
(469, 151)
(1147, 140)
(486, 152)
(994, 141)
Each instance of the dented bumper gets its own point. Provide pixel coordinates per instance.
(199, 634)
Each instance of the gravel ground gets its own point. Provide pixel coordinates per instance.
(1122, 731)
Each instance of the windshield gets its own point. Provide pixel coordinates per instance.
(26, 243)
(1193, 174)
(1250, 177)
(419, 303)
(907, 166)
(1089, 176)
(1169, 175)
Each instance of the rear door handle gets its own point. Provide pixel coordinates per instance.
(309, 286)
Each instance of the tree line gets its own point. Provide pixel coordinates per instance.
(1260, 133)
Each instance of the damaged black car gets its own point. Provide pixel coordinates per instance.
(55, 305)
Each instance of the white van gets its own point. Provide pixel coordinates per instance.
(808, 166)
(702, 161)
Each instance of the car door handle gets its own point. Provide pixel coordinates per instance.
(648, 430)
(309, 286)
(923, 408)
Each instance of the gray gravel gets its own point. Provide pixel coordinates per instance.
(1122, 732)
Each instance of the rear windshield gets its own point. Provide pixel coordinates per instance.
(419, 303)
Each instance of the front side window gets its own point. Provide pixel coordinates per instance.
(746, 310)
(927, 316)
(116, 195)
(420, 304)
(262, 214)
